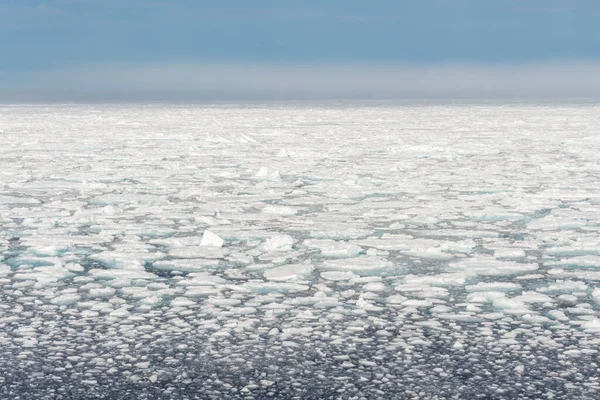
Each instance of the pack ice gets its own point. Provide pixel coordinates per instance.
(300, 251)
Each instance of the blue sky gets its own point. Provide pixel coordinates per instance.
(41, 38)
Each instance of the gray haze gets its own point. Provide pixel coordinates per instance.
(198, 81)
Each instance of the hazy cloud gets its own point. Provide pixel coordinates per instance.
(197, 81)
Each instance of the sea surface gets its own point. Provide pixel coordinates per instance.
(300, 251)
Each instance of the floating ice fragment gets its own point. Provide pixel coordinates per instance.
(339, 234)
(66, 299)
(211, 239)
(269, 287)
(417, 303)
(213, 221)
(564, 287)
(510, 306)
(509, 253)
(519, 369)
(151, 300)
(198, 252)
(45, 251)
(500, 301)
(278, 243)
(121, 274)
(189, 265)
(558, 315)
(596, 295)
(591, 326)
(268, 174)
(368, 265)
(338, 275)
(217, 139)
(279, 210)
(120, 260)
(102, 292)
(246, 139)
(364, 304)
(4, 270)
(493, 286)
(283, 153)
(374, 287)
(122, 312)
(334, 248)
(587, 261)
(443, 280)
(529, 277)
(17, 200)
(489, 266)
(428, 253)
(552, 222)
(182, 302)
(534, 297)
(287, 272)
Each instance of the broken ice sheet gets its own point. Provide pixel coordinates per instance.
(274, 251)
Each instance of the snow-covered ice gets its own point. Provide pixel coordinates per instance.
(300, 251)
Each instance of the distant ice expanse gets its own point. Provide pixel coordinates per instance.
(300, 251)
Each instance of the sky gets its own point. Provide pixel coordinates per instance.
(206, 49)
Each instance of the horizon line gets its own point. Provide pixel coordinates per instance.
(575, 79)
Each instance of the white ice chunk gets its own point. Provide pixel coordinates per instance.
(422, 290)
(564, 287)
(4, 270)
(279, 210)
(66, 299)
(509, 253)
(587, 261)
(121, 274)
(288, 272)
(185, 265)
(493, 286)
(444, 279)
(596, 295)
(119, 260)
(17, 200)
(102, 292)
(265, 173)
(591, 326)
(489, 266)
(534, 297)
(198, 252)
(334, 248)
(283, 153)
(211, 239)
(500, 301)
(417, 303)
(338, 275)
(269, 287)
(182, 302)
(367, 305)
(552, 222)
(278, 243)
(367, 265)
(246, 139)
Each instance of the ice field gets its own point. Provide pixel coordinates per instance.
(374, 251)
